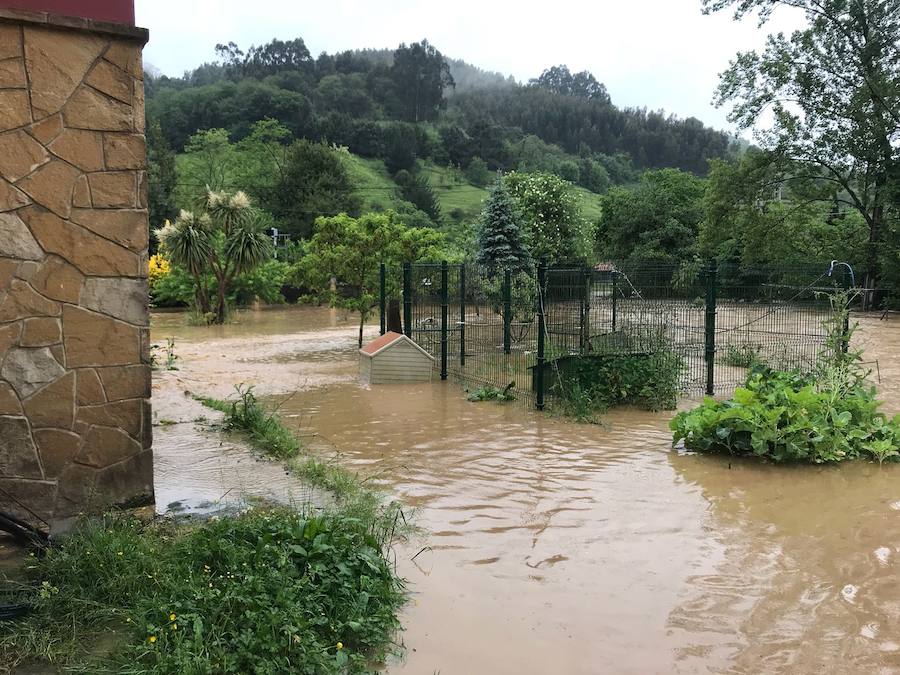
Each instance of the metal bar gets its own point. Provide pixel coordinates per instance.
(382, 300)
(615, 277)
(462, 315)
(445, 308)
(709, 352)
(585, 309)
(407, 299)
(507, 309)
(539, 370)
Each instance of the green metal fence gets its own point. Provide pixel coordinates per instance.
(515, 328)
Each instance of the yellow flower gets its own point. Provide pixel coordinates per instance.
(119, 553)
(128, 620)
(151, 639)
(172, 616)
(340, 645)
(174, 626)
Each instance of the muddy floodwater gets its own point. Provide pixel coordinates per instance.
(552, 547)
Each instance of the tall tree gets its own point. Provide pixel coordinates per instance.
(420, 75)
(559, 80)
(350, 251)
(501, 241)
(162, 177)
(833, 89)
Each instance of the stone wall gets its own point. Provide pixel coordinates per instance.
(74, 356)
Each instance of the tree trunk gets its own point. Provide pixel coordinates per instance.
(394, 324)
(362, 322)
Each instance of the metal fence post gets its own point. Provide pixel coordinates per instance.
(584, 319)
(445, 309)
(709, 352)
(845, 327)
(539, 371)
(462, 314)
(407, 299)
(382, 300)
(507, 309)
(615, 284)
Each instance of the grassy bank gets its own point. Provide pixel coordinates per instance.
(269, 590)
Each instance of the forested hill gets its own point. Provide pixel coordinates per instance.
(412, 102)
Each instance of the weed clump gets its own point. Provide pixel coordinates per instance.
(268, 591)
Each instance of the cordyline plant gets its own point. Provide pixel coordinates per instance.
(215, 246)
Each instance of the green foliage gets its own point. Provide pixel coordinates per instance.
(263, 282)
(350, 251)
(501, 241)
(829, 415)
(477, 172)
(594, 383)
(224, 241)
(657, 220)
(175, 289)
(162, 176)
(169, 355)
(830, 92)
(491, 393)
(263, 428)
(419, 74)
(416, 189)
(271, 590)
(555, 228)
(740, 356)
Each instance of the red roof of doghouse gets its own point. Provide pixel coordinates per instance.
(389, 338)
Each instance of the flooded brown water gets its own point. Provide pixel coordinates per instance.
(553, 547)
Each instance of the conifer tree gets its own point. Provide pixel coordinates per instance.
(501, 242)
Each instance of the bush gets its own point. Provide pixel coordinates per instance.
(264, 282)
(270, 591)
(783, 416)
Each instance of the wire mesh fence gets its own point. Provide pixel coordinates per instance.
(519, 329)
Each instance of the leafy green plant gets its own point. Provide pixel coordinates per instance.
(828, 415)
(170, 356)
(740, 356)
(271, 590)
(490, 393)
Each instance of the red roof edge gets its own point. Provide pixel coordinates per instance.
(380, 342)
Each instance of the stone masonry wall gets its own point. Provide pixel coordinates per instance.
(74, 364)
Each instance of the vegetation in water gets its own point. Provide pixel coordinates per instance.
(828, 415)
(268, 591)
(741, 355)
(490, 393)
(588, 385)
(169, 357)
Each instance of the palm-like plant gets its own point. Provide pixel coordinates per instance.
(225, 241)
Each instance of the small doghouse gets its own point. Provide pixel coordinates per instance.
(394, 358)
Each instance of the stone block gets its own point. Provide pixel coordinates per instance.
(103, 446)
(127, 56)
(113, 189)
(88, 389)
(21, 155)
(28, 370)
(41, 332)
(90, 109)
(111, 80)
(93, 339)
(51, 186)
(54, 405)
(47, 129)
(125, 382)
(9, 336)
(10, 41)
(16, 240)
(124, 415)
(58, 280)
(57, 62)
(128, 483)
(22, 302)
(8, 267)
(15, 109)
(38, 495)
(9, 402)
(27, 269)
(91, 254)
(140, 121)
(124, 299)
(11, 197)
(76, 489)
(81, 195)
(125, 151)
(124, 226)
(18, 456)
(57, 449)
(80, 147)
(12, 74)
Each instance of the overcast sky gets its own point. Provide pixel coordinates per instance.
(653, 53)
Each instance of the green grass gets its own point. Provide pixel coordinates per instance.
(268, 591)
(373, 182)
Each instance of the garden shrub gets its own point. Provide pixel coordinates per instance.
(268, 591)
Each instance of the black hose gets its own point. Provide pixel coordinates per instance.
(25, 535)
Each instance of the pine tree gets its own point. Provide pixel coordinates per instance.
(501, 242)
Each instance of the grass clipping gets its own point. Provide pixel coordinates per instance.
(269, 590)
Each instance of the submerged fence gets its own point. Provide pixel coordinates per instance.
(520, 329)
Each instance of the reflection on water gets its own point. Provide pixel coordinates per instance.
(559, 548)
